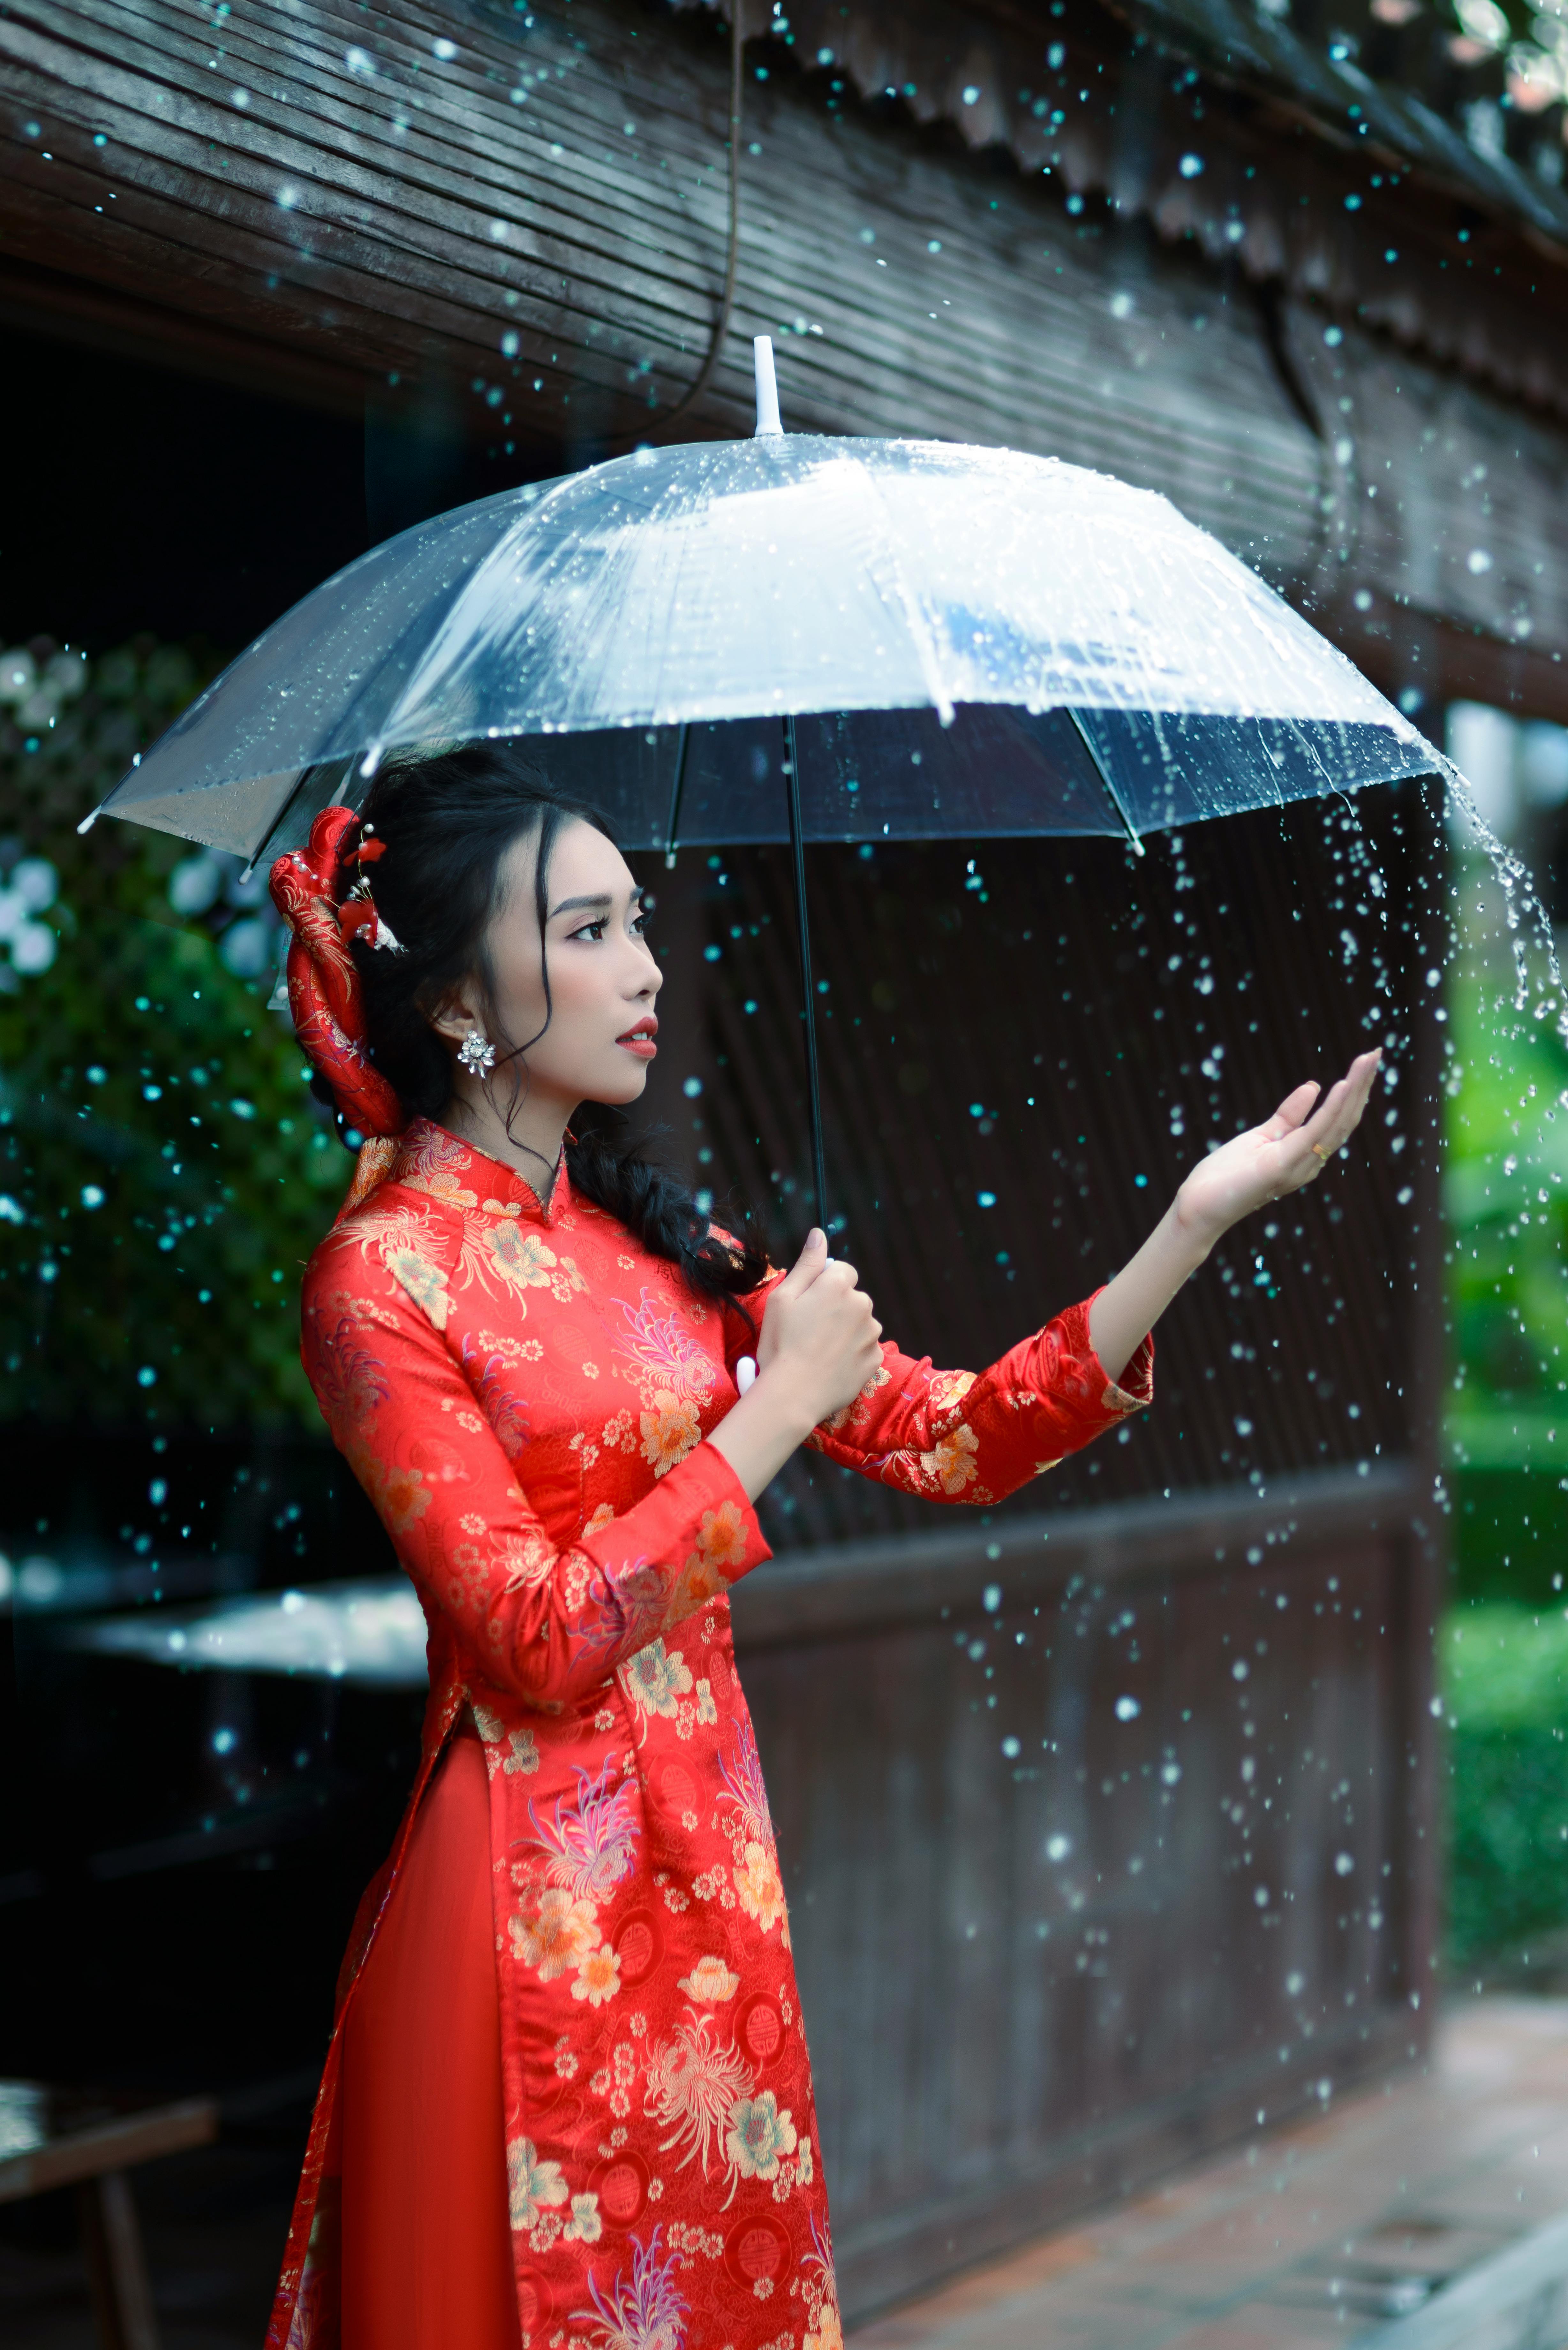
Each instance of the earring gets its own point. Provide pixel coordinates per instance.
(477, 1053)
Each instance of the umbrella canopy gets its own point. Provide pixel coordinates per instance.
(971, 641)
(796, 637)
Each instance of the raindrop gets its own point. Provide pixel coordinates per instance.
(1190, 166)
(1127, 1709)
(1058, 1847)
(1343, 1864)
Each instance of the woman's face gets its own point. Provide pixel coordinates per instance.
(603, 977)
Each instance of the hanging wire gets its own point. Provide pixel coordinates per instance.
(721, 323)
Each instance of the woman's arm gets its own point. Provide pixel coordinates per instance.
(547, 1621)
(823, 1380)
(1289, 1149)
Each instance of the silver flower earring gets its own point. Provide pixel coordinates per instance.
(477, 1053)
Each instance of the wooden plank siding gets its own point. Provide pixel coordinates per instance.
(1096, 1847)
(387, 256)
(374, 218)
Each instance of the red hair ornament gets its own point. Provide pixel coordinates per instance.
(323, 892)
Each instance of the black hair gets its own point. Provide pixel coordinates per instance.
(447, 822)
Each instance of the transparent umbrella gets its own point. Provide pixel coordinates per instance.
(794, 636)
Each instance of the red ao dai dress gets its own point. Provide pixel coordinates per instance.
(523, 1393)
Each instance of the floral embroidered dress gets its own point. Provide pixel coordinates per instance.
(523, 1393)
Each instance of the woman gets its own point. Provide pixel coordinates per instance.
(567, 2099)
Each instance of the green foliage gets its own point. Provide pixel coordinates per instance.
(1506, 1203)
(163, 1172)
(1505, 1676)
(1505, 1186)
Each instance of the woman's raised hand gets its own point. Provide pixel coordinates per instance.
(1289, 1149)
(820, 1332)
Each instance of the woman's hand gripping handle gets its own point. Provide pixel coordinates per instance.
(820, 1343)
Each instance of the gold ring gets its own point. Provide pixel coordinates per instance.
(1321, 1153)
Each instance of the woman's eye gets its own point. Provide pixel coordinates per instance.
(593, 930)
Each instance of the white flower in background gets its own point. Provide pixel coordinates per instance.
(37, 697)
(36, 882)
(249, 945)
(195, 883)
(246, 946)
(1484, 21)
(18, 674)
(32, 886)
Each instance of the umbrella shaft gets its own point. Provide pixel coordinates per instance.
(807, 990)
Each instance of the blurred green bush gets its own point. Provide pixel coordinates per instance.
(163, 1169)
(1505, 1686)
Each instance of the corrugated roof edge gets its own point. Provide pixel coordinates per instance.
(1232, 42)
(1235, 46)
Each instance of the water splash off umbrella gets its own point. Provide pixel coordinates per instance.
(800, 638)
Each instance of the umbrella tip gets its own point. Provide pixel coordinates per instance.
(767, 389)
(88, 822)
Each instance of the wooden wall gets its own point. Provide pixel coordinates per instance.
(1102, 1845)
(528, 232)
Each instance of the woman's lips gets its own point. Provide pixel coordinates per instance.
(640, 1040)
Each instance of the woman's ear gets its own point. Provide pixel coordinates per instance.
(454, 1017)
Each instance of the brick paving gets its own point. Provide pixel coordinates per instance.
(1312, 2235)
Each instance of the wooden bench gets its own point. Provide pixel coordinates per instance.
(61, 2137)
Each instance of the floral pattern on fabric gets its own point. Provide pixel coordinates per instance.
(525, 1395)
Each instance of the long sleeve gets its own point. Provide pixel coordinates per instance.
(428, 1439)
(954, 1435)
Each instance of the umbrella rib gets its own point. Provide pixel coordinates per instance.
(676, 790)
(1109, 788)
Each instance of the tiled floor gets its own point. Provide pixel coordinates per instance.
(1309, 2238)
